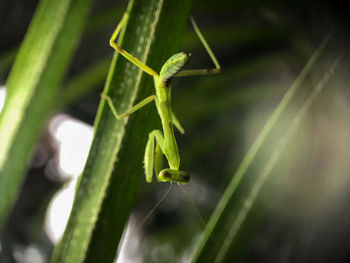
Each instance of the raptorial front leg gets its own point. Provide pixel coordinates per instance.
(155, 136)
(158, 160)
(152, 159)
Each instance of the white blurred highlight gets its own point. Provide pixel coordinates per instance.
(74, 139)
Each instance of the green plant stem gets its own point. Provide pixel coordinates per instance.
(39, 67)
(202, 251)
(113, 171)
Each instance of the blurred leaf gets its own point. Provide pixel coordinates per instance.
(7, 59)
(106, 18)
(31, 88)
(83, 83)
(229, 215)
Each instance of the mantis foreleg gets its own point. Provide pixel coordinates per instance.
(158, 160)
(151, 159)
(149, 152)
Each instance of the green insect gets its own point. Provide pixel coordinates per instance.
(159, 142)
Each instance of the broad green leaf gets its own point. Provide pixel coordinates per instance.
(114, 167)
(31, 88)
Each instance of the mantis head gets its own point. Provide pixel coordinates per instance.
(174, 65)
(169, 175)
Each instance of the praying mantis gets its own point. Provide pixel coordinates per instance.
(162, 143)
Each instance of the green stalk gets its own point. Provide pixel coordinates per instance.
(31, 88)
(114, 167)
(224, 216)
(250, 199)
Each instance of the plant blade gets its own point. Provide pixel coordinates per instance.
(227, 213)
(114, 167)
(31, 88)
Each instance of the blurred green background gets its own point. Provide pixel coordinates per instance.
(299, 213)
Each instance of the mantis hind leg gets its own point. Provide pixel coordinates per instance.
(153, 160)
(196, 72)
